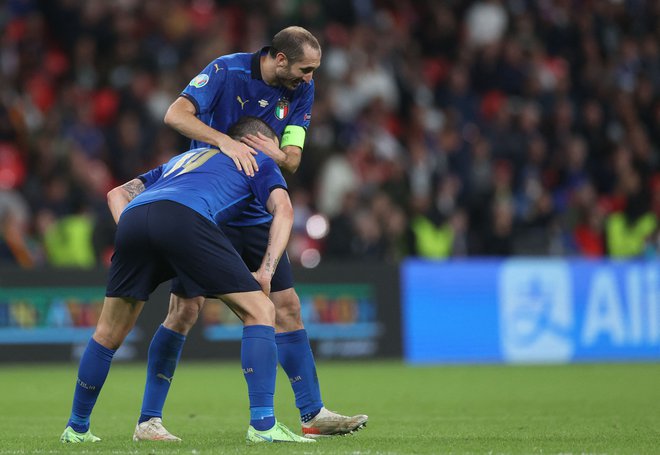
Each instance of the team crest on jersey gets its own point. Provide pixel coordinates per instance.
(282, 109)
(200, 80)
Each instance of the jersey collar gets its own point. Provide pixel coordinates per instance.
(255, 66)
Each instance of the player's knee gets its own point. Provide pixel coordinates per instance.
(182, 321)
(286, 301)
(108, 337)
(287, 307)
(262, 313)
(183, 314)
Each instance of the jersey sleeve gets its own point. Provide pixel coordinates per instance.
(266, 180)
(295, 131)
(205, 88)
(302, 115)
(148, 178)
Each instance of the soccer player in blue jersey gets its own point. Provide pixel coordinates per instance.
(276, 85)
(168, 226)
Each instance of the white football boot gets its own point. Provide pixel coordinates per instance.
(328, 423)
(153, 430)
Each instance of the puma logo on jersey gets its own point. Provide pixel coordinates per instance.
(238, 98)
(162, 376)
(217, 68)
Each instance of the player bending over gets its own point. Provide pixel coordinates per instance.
(168, 226)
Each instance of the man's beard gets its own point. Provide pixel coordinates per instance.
(289, 82)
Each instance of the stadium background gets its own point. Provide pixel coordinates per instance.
(479, 186)
(472, 171)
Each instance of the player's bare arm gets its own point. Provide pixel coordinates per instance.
(279, 205)
(287, 157)
(181, 117)
(119, 197)
(293, 157)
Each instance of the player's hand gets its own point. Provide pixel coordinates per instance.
(242, 155)
(267, 145)
(264, 281)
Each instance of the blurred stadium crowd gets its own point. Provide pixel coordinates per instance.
(440, 128)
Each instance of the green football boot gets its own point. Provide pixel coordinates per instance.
(279, 433)
(70, 435)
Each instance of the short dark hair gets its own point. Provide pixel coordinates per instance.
(291, 42)
(250, 125)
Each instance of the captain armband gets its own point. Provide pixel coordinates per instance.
(293, 135)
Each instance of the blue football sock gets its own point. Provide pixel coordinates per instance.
(164, 353)
(93, 369)
(259, 363)
(262, 418)
(296, 357)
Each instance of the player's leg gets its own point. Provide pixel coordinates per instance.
(297, 359)
(258, 348)
(295, 353)
(206, 264)
(117, 318)
(162, 359)
(293, 347)
(258, 353)
(131, 279)
(175, 231)
(259, 364)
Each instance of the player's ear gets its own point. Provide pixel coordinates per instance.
(281, 60)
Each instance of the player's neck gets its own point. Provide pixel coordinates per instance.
(268, 70)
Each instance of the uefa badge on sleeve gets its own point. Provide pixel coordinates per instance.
(200, 80)
(282, 109)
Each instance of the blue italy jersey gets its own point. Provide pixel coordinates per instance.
(208, 182)
(231, 87)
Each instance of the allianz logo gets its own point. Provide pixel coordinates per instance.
(549, 310)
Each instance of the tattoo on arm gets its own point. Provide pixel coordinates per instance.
(271, 264)
(133, 188)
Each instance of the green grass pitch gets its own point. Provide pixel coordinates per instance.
(600, 409)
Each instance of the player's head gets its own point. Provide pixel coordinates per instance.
(297, 54)
(251, 125)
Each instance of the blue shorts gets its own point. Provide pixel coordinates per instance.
(251, 243)
(159, 241)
